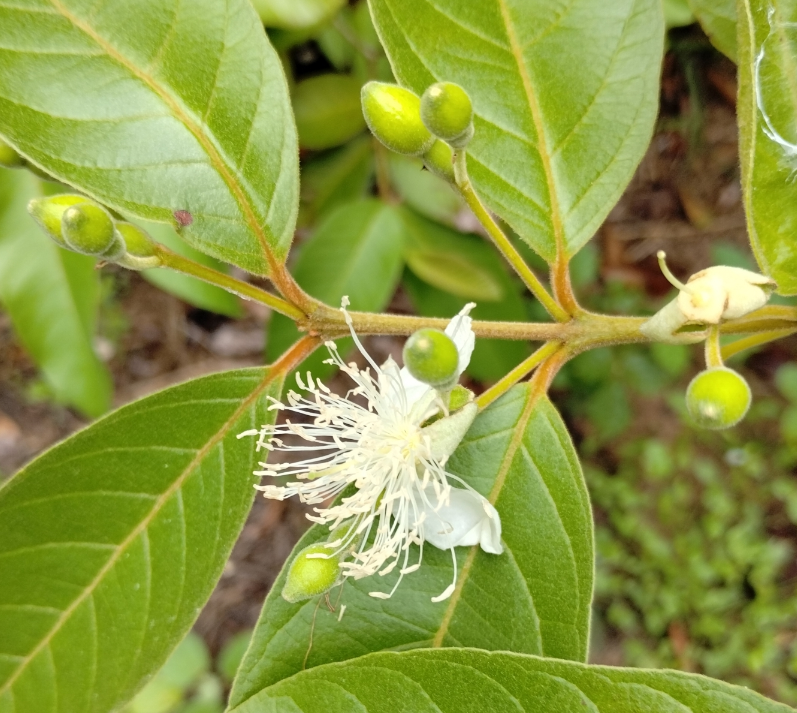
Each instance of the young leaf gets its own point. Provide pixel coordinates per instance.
(296, 14)
(356, 252)
(767, 109)
(328, 111)
(113, 540)
(155, 107)
(718, 20)
(467, 681)
(190, 289)
(534, 598)
(51, 296)
(565, 98)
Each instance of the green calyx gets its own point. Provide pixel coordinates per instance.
(447, 112)
(9, 158)
(439, 159)
(88, 228)
(718, 398)
(393, 115)
(47, 212)
(431, 357)
(314, 571)
(141, 251)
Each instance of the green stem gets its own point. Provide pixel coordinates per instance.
(502, 242)
(755, 340)
(507, 382)
(243, 289)
(713, 347)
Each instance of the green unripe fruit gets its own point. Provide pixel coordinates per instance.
(393, 115)
(310, 576)
(9, 158)
(431, 357)
(47, 212)
(718, 398)
(89, 229)
(440, 160)
(141, 250)
(447, 112)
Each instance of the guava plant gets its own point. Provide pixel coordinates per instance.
(450, 566)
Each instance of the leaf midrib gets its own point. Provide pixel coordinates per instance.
(270, 375)
(184, 117)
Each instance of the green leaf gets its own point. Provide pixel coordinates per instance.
(296, 14)
(334, 178)
(157, 106)
(534, 598)
(113, 540)
(424, 192)
(190, 289)
(767, 109)
(718, 20)
(444, 259)
(356, 252)
(52, 297)
(677, 13)
(565, 99)
(464, 681)
(328, 111)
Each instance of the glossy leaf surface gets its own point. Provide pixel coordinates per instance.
(767, 109)
(565, 96)
(52, 297)
(112, 541)
(469, 681)
(156, 106)
(534, 598)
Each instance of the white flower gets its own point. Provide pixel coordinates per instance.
(403, 492)
(708, 297)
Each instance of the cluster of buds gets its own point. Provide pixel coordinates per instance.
(77, 223)
(717, 397)
(432, 126)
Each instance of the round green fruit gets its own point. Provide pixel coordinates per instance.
(310, 576)
(718, 398)
(431, 357)
(393, 115)
(88, 228)
(447, 112)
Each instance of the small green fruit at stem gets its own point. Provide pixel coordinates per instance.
(447, 112)
(9, 158)
(47, 212)
(314, 571)
(88, 228)
(718, 398)
(440, 160)
(431, 357)
(141, 251)
(393, 115)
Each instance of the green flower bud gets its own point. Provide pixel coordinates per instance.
(9, 158)
(309, 576)
(431, 357)
(141, 251)
(447, 112)
(718, 398)
(88, 228)
(47, 212)
(440, 160)
(394, 116)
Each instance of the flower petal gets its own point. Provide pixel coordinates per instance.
(468, 519)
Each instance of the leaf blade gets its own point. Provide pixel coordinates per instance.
(146, 109)
(81, 553)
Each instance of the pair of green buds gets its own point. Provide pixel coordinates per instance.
(429, 126)
(77, 223)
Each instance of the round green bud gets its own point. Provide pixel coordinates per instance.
(141, 251)
(440, 160)
(9, 158)
(88, 228)
(47, 212)
(431, 357)
(393, 115)
(718, 398)
(447, 112)
(309, 576)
